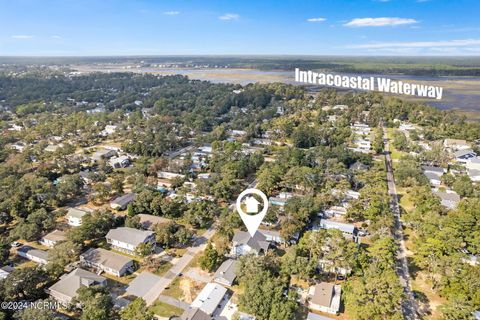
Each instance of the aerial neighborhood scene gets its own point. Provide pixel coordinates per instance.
(140, 181)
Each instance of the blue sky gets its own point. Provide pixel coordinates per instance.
(317, 27)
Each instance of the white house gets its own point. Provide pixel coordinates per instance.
(211, 296)
(52, 238)
(243, 243)
(464, 155)
(107, 261)
(74, 216)
(35, 255)
(325, 297)
(127, 239)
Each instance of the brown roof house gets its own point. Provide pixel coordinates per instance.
(325, 297)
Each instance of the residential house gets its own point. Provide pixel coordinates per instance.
(5, 271)
(474, 174)
(119, 162)
(314, 316)
(348, 230)
(121, 203)
(281, 199)
(146, 286)
(272, 235)
(211, 296)
(449, 199)
(148, 221)
(455, 144)
(433, 179)
(433, 169)
(243, 243)
(464, 155)
(334, 211)
(169, 175)
(74, 216)
(52, 238)
(33, 254)
(325, 297)
(65, 290)
(127, 239)
(195, 314)
(103, 154)
(226, 273)
(358, 166)
(107, 261)
(473, 164)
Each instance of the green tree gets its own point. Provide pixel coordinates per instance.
(136, 310)
(210, 259)
(96, 303)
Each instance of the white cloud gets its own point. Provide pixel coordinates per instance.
(316, 19)
(229, 17)
(378, 22)
(56, 37)
(171, 13)
(22, 36)
(419, 44)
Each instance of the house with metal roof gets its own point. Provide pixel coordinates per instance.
(65, 290)
(127, 239)
(107, 261)
(211, 296)
(449, 199)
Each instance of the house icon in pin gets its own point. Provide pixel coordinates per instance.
(252, 205)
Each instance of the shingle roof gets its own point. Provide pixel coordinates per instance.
(258, 242)
(106, 258)
(195, 314)
(70, 283)
(34, 252)
(323, 294)
(448, 196)
(129, 235)
(124, 200)
(55, 235)
(146, 285)
(227, 271)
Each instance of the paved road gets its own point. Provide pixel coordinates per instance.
(182, 263)
(409, 306)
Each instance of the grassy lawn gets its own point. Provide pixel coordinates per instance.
(164, 267)
(165, 310)
(174, 289)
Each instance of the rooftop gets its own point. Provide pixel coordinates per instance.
(209, 298)
(129, 235)
(106, 258)
(70, 283)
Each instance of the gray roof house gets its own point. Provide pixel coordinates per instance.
(432, 169)
(314, 316)
(433, 178)
(5, 271)
(127, 239)
(103, 154)
(122, 202)
(195, 314)
(226, 273)
(148, 221)
(35, 255)
(243, 243)
(104, 260)
(147, 286)
(448, 199)
(66, 288)
(349, 230)
(464, 155)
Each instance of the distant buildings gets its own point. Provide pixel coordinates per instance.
(348, 230)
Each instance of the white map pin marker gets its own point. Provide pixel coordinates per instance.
(252, 222)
